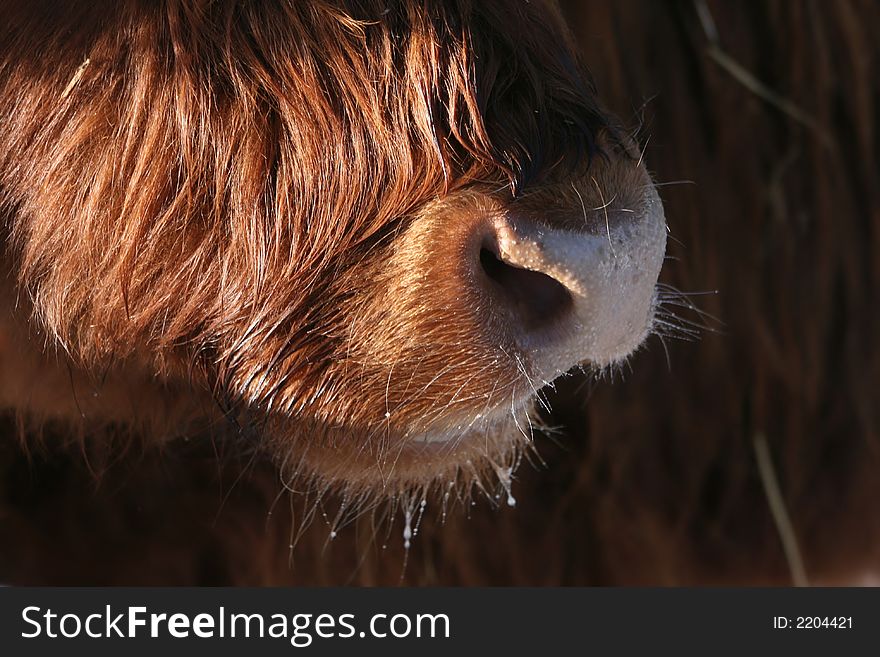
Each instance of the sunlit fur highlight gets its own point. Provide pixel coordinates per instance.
(253, 206)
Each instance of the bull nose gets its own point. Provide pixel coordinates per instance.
(571, 296)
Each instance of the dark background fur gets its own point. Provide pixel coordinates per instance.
(653, 479)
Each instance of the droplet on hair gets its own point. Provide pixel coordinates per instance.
(505, 476)
(422, 505)
(407, 530)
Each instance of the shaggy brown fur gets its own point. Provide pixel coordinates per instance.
(265, 201)
(254, 222)
(655, 480)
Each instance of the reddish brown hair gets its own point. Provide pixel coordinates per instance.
(653, 481)
(213, 190)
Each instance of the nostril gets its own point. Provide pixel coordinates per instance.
(534, 298)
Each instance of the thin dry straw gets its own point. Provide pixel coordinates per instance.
(780, 514)
(747, 79)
